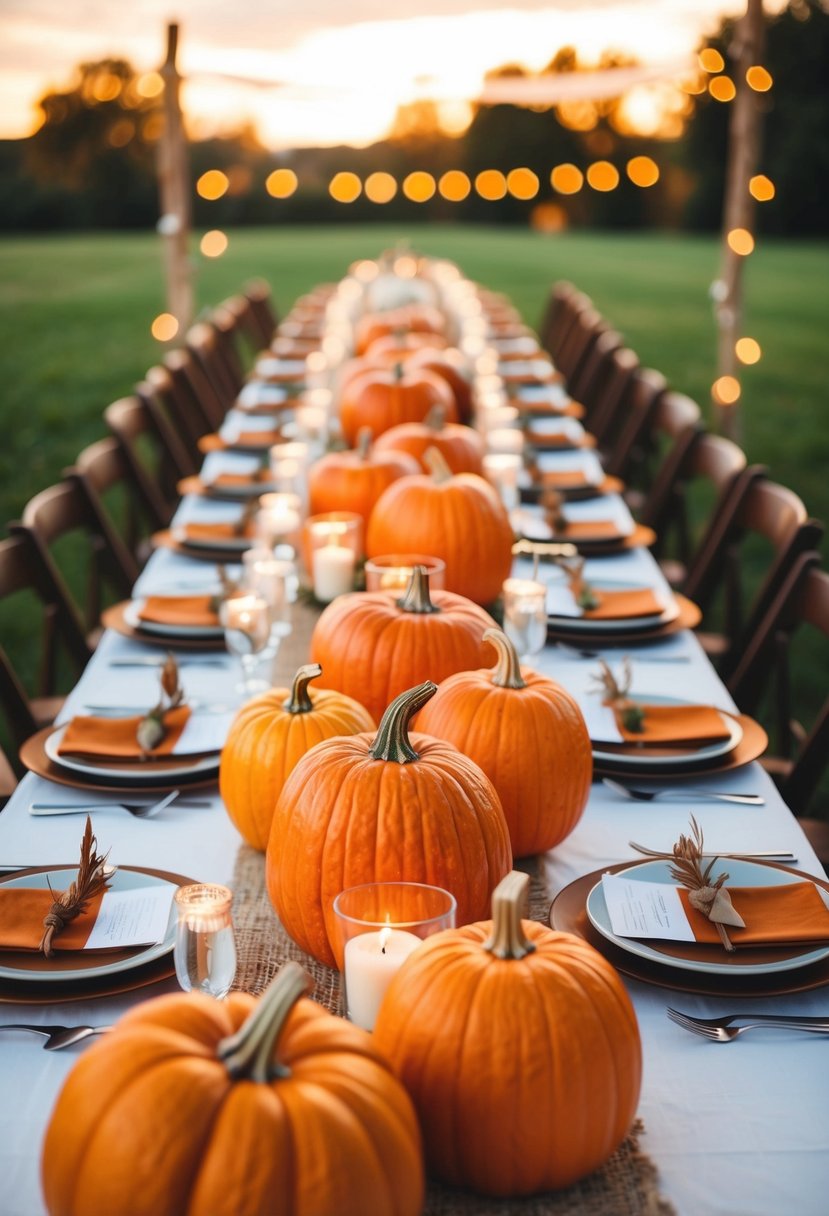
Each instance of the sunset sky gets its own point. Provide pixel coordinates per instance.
(327, 71)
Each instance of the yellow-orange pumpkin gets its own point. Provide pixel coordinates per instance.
(233, 1108)
(354, 480)
(461, 447)
(414, 317)
(459, 518)
(453, 367)
(377, 809)
(520, 1049)
(373, 644)
(267, 738)
(528, 735)
(381, 398)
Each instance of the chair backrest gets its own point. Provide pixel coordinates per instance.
(626, 457)
(154, 452)
(193, 383)
(557, 313)
(614, 377)
(80, 546)
(236, 324)
(210, 352)
(134, 505)
(587, 382)
(572, 307)
(674, 427)
(771, 516)
(48, 658)
(765, 669)
(583, 333)
(264, 311)
(164, 388)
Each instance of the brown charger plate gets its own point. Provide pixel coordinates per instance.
(42, 992)
(640, 538)
(689, 617)
(610, 485)
(202, 489)
(33, 756)
(568, 913)
(752, 745)
(215, 443)
(204, 553)
(113, 618)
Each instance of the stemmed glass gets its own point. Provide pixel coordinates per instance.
(525, 615)
(247, 624)
(276, 580)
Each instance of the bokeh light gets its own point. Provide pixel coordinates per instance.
(726, 390)
(419, 186)
(212, 184)
(748, 350)
(380, 187)
(642, 171)
(710, 60)
(454, 186)
(566, 179)
(106, 86)
(761, 188)
(282, 183)
(151, 84)
(602, 176)
(345, 187)
(722, 88)
(522, 183)
(165, 327)
(740, 241)
(548, 217)
(491, 184)
(759, 79)
(213, 244)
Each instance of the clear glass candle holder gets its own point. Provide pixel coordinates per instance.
(246, 621)
(332, 546)
(205, 947)
(275, 579)
(392, 571)
(377, 926)
(505, 440)
(279, 520)
(502, 470)
(525, 615)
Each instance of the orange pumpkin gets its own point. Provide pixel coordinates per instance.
(528, 735)
(379, 809)
(354, 480)
(241, 1107)
(461, 447)
(381, 398)
(452, 367)
(458, 518)
(267, 738)
(397, 347)
(373, 644)
(520, 1049)
(417, 318)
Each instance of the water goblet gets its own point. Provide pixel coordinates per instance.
(247, 624)
(205, 947)
(525, 615)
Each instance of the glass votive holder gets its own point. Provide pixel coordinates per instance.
(275, 579)
(392, 571)
(497, 418)
(205, 947)
(501, 469)
(525, 615)
(246, 621)
(506, 441)
(377, 926)
(278, 520)
(332, 545)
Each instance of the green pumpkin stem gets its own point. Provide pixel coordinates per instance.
(249, 1052)
(392, 739)
(299, 701)
(417, 598)
(509, 900)
(364, 438)
(507, 673)
(398, 372)
(437, 466)
(436, 418)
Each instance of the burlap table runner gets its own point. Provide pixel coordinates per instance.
(627, 1185)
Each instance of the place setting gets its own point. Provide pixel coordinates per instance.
(230, 475)
(598, 526)
(572, 474)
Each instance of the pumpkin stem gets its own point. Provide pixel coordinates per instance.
(299, 701)
(398, 371)
(249, 1052)
(509, 898)
(417, 598)
(364, 438)
(436, 418)
(392, 739)
(507, 673)
(436, 462)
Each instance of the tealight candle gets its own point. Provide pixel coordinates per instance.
(332, 545)
(371, 961)
(501, 470)
(504, 440)
(333, 570)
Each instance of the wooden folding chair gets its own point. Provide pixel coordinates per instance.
(674, 426)
(761, 515)
(614, 376)
(556, 315)
(763, 678)
(265, 314)
(165, 389)
(42, 625)
(155, 454)
(573, 306)
(627, 451)
(586, 384)
(587, 327)
(238, 330)
(134, 505)
(219, 367)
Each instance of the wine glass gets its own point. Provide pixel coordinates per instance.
(525, 615)
(276, 580)
(247, 624)
(205, 949)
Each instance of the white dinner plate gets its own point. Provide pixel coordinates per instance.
(124, 879)
(740, 874)
(148, 773)
(582, 624)
(132, 618)
(654, 757)
(228, 544)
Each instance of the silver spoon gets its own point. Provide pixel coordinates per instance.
(57, 1037)
(683, 792)
(140, 810)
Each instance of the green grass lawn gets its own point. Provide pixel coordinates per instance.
(76, 314)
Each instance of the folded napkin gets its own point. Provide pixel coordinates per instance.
(22, 911)
(618, 605)
(255, 439)
(787, 914)
(676, 724)
(116, 738)
(179, 610)
(229, 481)
(217, 532)
(572, 479)
(589, 530)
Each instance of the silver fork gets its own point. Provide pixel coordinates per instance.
(779, 855)
(581, 652)
(723, 1030)
(140, 810)
(57, 1037)
(681, 791)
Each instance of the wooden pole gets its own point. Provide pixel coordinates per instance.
(738, 209)
(174, 189)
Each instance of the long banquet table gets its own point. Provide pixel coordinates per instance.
(741, 1128)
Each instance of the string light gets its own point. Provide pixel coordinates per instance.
(419, 187)
(491, 185)
(212, 184)
(213, 244)
(345, 187)
(722, 88)
(759, 79)
(726, 390)
(740, 241)
(566, 179)
(761, 188)
(380, 187)
(710, 60)
(602, 176)
(522, 183)
(165, 327)
(748, 350)
(642, 171)
(281, 183)
(454, 186)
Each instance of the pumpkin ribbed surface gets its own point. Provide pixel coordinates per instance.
(452, 367)
(150, 1121)
(383, 398)
(462, 448)
(372, 649)
(525, 1073)
(352, 481)
(461, 520)
(532, 743)
(345, 818)
(264, 744)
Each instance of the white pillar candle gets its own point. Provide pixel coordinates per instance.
(371, 961)
(333, 571)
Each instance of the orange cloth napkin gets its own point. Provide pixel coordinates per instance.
(218, 532)
(576, 479)
(115, 738)
(179, 610)
(231, 480)
(594, 529)
(616, 605)
(22, 910)
(793, 913)
(677, 724)
(256, 439)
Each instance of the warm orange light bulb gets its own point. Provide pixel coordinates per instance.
(380, 187)
(602, 176)
(345, 187)
(759, 79)
(762, 188)
(748, 350)
(165, 327)
(491, 185)
(740, 241)
(566, 179)
(212, 184)
(726, 390)
(454, 186)
(419, 186)
(522, 183)
(722, 88)
(213, 244)
(642, 171)
(710, 60)
(282, 183)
